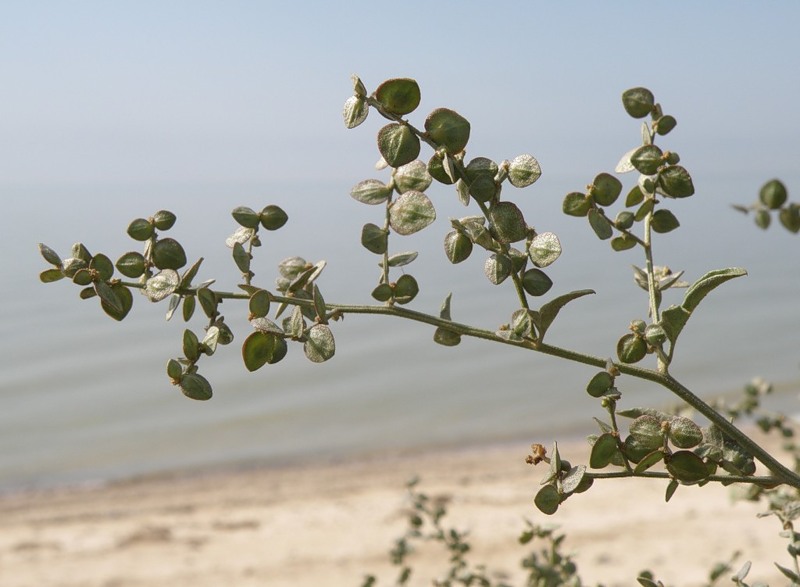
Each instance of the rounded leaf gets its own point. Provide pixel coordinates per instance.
(623, 242)
(49, 255)
(547, 500)
(773, 194)
(131, 264)
(536, 282)
(141, 229)
(684, 433)
(103, 266)
(638, 102)
(676, 182)
(600, 384)
(576, 204)
(506, 223)
(319, 345)
(374, 238)
(665, 124)
(603, 451)
(687, 467)
(174, 370)
(161, 285)
(624, 220)
(647, 159)
(412, 176)
(647, 432)
(406, 289)
(483, 188)
(398, 144)
(246, 217)
(261, 348)
(438, 171)
(122, 302)
(164, 219)
(457, 247)
(51, 275)
(273, 217)
(411, 212)
(383, 292)
(631, 348)
(371, 191)
(790, 218)
(600, 224)
(355, 111)
(545, 249)
(398, 96)
(259, 303)
(446, 337)
(523, 171)
(605, 189)
(664, 221)
(448, 129)
(168, 254)
(196, 387)
(762, 218)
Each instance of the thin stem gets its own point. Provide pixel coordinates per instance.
(761, 480)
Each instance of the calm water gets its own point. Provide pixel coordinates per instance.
(86, 398)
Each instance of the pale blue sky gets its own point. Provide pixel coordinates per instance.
(212, 91)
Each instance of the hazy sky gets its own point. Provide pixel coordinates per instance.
(196, 91)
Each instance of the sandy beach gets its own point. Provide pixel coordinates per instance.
(331, 524)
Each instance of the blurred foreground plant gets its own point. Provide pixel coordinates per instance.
(656, 445)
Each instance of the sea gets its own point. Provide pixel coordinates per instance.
(86, 399)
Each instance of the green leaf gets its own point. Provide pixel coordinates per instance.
(600, 224)
(164, 219)
(773, 194)
(49, 255)
(545, 249)
(398, 96)
(446, 337)
(576, 204)
(790, 218)
(549, 311)
(242, 258)
(398, 144)
(261, 348)
(141, 229)
(648, 461)
(623, 242)
(383, 292)
(319, 345)
(647, 432)
(371, 191)
(191, 345)
(647, 159)
(103, 266)
(684, 433)
(671, 488)
(161, 285)
(168, 254)
(605, 189)
(762, 219)
(189, 304)
(789, 574)
(441, 169)
(208, 301)
(122, 299)
(631, 348)
(603, 451)
(547, 500)
(411, 212)
(273, 217)
(195, 386)
(406, 289)
(665, 124)
(634, 197)
(374, 239)
(448, 129)
(687, 467)
(413, 176)
(673, 319)
(457, 246)
(523, 171)
(664, 221)
(574, 480)
(259, 303)
(246, 217)
(131, 264)
(506, 223)
(191, 273)
(703, 286)
(676, 182)
(174, 370)
(536, 282)
(355, 111)
(638, 102)
(51, 275)
(600, 384)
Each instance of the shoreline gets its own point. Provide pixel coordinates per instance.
(331, 523)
